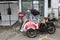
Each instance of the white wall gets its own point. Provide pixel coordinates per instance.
(54, 4)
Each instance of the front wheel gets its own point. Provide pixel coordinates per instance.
(51, 29)
(31, 33)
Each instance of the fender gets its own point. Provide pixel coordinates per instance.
(29, 25)
(50, 23)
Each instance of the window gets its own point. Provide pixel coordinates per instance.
(49, 3)
(36, 5)
(26, 4)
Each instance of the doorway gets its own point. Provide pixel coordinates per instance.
(35, 4)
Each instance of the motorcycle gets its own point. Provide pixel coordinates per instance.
(32, 24)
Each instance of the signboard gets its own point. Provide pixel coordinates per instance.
(21, 14)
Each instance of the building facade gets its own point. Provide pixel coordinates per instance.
(43, 6)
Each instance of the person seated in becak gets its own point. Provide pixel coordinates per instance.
(32, 14)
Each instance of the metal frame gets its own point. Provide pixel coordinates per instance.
(9, 2)
(6, 2)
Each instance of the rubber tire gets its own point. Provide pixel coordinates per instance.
(51, 32)
(28, 33)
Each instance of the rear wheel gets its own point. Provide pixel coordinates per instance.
(51, 29)
(31, 33)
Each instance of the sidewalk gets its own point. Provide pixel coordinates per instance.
(7, 22)
(58, 23)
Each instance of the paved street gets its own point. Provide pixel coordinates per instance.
(13, 35)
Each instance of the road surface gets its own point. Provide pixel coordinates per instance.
(13, 35)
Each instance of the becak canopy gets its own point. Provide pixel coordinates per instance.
(34, 12)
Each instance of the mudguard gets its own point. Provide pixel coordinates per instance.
(29, 25)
